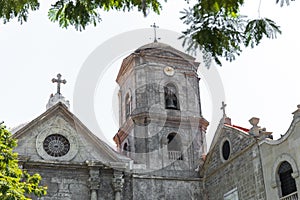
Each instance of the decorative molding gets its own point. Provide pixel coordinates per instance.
(60, 127)
(221, 149)
(283, 157)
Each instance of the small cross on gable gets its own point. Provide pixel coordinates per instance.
(58, 81)
(223, 108)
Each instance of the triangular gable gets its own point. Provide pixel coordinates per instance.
(47, 137)
(238, 141)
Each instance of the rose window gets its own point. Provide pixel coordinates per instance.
(56, 145)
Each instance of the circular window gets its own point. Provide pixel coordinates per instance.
(226, 150)
(56, 145)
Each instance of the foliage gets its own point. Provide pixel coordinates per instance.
(81, 13)
(256, 29)
(220, 31)
(216, 27)
(10, 9)
(15, 184)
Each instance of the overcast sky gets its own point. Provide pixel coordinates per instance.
(262, 82)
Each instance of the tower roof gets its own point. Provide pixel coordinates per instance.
(165, 47)
(155, 50)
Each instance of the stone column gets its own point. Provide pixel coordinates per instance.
(94, 179)
(164, 151)
(118, 182)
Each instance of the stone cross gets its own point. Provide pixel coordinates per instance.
(58, 81)
(154, 28)
(223, 108)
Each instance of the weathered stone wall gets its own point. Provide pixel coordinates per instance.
(63, 183)
(274, 153)
(106, 190)
(71, 183)
(151, 79)
(161, 188)
(152, 148)
(145, 79)
(242, 170)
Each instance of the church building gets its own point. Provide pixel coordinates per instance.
(161, 151)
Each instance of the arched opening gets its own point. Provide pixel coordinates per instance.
(125, 147)
(287, 182)
(171, 97)
(127, 105)
(125, 150)
(174, 147)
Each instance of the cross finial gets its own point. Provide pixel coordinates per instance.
(154, 28)
(223, 108)
(58, 81)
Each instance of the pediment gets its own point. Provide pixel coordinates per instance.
(237, 141)
(57, 135)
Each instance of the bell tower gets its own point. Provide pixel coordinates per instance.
(161, 124)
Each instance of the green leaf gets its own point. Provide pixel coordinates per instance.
(10, 9)
(81, 13)
(217, 35)
(15, 183)
(259, 28)
(223, 34)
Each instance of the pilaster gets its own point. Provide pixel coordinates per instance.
(118, 183)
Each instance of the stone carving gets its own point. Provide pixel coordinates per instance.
(154, 26)
(58, 81)
(56, 145)
(63, 192)
(223, 108)
(94, 182)
(118, 183)
(58, 127)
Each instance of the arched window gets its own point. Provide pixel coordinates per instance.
(125, 149)
(171, 97)
(287, 182)
(127, 105)
(174, 147)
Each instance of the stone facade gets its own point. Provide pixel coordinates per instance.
(88, 168)
(241, 171)
(164, 188)
(286, 149)
(161, 143)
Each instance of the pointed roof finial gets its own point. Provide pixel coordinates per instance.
(58, 81)
(154, 28)
(58, 97)
(223, 108)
